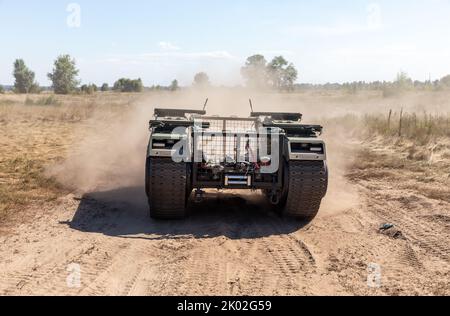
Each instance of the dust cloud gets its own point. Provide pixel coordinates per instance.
(110, 150)
(341, 150)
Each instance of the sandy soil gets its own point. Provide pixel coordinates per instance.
(233, 244)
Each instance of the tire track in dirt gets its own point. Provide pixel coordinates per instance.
(246, 269)
(208, 265)
(41, 277)
(205, 268)
(95, 256)
(291, 260)
(98, 259)
(100, 272)
(423, 254)
(130, 266)
(407, 257)
(267, 255)
(430, 237)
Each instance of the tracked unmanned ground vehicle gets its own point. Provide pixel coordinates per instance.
(272, 152)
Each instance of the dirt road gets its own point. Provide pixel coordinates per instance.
(105, 243)
(231, 245)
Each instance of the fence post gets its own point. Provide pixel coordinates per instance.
(400, 125)
(389, 120)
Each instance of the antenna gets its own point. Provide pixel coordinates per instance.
(251, 104)
(206, 103)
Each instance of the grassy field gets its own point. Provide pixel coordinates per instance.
(38, 131)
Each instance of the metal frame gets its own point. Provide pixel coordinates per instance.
(223, 132)
(224, 136)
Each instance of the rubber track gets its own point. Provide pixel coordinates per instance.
(308, 184)
(167, 189)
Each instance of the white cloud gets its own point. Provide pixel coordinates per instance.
(167, 46)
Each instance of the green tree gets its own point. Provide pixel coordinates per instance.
(201, 80)
(2, 90)
(403, 81)
(24, 78)
(105, 87)
(290, 75)
(89, 89)
(282, 74)
(128, 85)
(64, 75)
(174, 85)
(255, 71)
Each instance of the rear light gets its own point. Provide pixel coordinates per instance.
(168, 144)
(304, 148)
(159, 145)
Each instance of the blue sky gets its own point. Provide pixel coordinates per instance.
(328, 41)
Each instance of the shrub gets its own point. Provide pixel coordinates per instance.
(89, 89)
(174, 86)
(201, 80)
(128, 85)
(50, 100)
(105, 87)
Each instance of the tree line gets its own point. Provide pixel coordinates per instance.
(258, 73)
(401, 83)
(278, 74)
(64, 79)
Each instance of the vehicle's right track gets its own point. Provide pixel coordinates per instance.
(308, 183)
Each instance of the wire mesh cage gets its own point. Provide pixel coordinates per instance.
(231, 125)
(227, 141)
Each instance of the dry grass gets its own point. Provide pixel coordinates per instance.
(402, 163)
(69, 108)
(27, 147)
(414, 157)
(37, 131)
(421, 127)
(23, 183)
